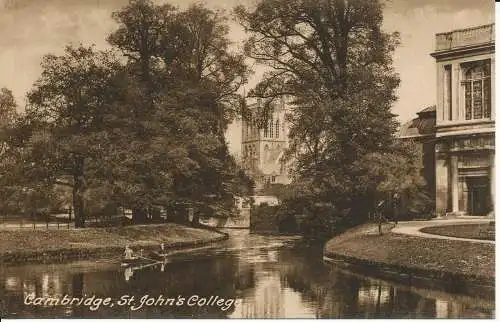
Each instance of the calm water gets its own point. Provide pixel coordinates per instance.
(266, 276)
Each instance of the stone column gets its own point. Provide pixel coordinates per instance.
(492, 90)
(441, 185)
(454, 183)
(447, 93)
(492, 181)
(455, 90)
(440, 103)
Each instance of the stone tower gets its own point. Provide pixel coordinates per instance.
(263, 149)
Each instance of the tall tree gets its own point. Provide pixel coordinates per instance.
(68, 110)
(195, 79)
(142, 26)
(333, 63)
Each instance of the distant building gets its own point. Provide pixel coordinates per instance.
(263, 148)
(465, 121)
(422, 130)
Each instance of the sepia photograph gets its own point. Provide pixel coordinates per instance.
(247, 159)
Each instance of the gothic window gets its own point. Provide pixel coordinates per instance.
(271, 131)
(477, 90)
(277, 128)
(265, 131)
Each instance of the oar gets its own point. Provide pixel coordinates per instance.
(144, 266)
(149, 259)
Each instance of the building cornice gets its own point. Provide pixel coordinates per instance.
(488, 47)
(449, 124)
(465, 132)
(417, 136)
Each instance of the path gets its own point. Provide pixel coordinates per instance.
(413, 228)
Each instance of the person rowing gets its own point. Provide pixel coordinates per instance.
(129, 253)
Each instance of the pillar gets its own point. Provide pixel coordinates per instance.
(441, 185)
(447, 93)
(454, 183)
(492, 181)
(455, 90)
(492, 91)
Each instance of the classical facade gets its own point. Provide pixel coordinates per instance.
(263, 148)
(465, 121)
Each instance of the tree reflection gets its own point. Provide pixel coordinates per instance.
(267, 283)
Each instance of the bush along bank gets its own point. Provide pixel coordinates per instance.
(112, 242)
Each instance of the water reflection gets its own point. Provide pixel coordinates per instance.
(266, 281)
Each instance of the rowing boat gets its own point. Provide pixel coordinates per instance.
(136, 261)
(146, 259)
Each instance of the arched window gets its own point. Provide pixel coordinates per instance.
(477, 90)
(265, 131)
(277, 128)
(271, 131)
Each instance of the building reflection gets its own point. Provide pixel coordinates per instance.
(270, 299)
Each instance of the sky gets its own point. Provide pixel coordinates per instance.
(30, 29)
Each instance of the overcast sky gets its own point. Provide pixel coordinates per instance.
(31, 28)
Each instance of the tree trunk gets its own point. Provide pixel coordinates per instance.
(78, 190)
(196, 218)
(139, 215)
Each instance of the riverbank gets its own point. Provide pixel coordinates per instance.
(20, 246)
(450, 261)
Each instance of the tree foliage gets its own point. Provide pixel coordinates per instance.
(333, 63)
(190, 79)
(139, 132)
(67, 111)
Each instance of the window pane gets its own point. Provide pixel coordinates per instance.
(477, 101)
(487, 68)
(468, 101)
(487, 96)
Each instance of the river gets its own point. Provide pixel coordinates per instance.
(248, 276)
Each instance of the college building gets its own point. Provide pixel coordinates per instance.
(465, 121)
(461, 127)
(263, 147)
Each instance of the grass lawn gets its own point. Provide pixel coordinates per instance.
(94, 238)
(472, 231)
(416, 252)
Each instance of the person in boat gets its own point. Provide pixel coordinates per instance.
(129, 253)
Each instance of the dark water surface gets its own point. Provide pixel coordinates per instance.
(265, 276)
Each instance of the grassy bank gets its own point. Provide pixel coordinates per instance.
(432, 258)
(51, 245)
(472, 231)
